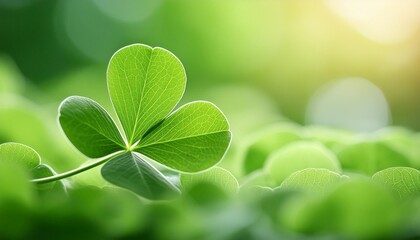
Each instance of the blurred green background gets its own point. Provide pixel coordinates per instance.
(283, 50)
(270, 65)
(335, 63)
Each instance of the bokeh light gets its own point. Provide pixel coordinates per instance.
(352, 104)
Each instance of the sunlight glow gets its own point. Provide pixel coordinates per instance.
(385, 21)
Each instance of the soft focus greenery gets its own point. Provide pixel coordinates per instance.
(321, 99)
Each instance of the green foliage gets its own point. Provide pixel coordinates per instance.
(114, 211)
(312, 200)
(16, 192)
(372, 214)
(145, 84)
(404, 181)
(330, 137)
(298, 156)
(315, 180)
(292, 182)
(16, 196)
(370, 157)
(26, 158)
(56, 187)
(258, 178)
(14, 183)
(19, 154)
(216, 176)
(24, 122)
(261, 145)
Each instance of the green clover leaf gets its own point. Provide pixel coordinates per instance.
(29, 160)
(145, 84)
(132, 172)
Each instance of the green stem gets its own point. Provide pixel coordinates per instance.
(75, 171)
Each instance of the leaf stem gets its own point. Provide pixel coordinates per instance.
(76, 170)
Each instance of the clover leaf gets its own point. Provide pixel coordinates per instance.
(89, 127)
(132, 172)
(28, 159)
(145, 84)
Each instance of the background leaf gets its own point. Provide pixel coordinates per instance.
(217, 176)
(298, 156)
(374, 212)
(56, 187)
(89, 127)
(257, 178)
(402, 180)
(145, 84)
(19, 154)
(316, 180)
(261, 145)
(369, 157)
(193, 138)
(360, 209)
(130, 171)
